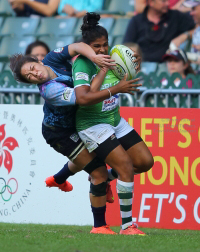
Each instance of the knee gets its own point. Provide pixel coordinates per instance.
(99, 175)
(147, 164)
(98, 190)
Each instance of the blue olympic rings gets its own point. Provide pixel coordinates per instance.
(8, 188)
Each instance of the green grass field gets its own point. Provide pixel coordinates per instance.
(57, 238)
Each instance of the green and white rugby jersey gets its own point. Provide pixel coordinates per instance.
(107, 111)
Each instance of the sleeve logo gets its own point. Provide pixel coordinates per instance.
(58, 50)
(81, 76)
(67, 94)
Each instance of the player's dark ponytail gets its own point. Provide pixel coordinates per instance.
(91, 30)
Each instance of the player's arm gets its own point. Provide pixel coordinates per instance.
(58, 94)
(83, 74)
(46, 9)
(84, 96)
(98, 80)
(81, 48)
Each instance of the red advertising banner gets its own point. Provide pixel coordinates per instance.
(167, 196)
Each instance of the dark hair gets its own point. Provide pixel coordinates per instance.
(189, 70)
(31, 46)
(91, 30)
(16, 63)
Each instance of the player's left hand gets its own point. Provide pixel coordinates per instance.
(104, 61)
(137, 60)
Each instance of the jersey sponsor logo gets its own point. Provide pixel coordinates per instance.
(81, 76)
(74, 137)
(59, 50)
(102, 133)
(111, 103)
(67, 94)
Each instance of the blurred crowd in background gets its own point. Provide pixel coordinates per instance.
(166, 33)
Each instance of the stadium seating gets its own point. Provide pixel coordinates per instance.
(5, 9)
(58, 41)
(56, 27)
(117, 40)
(1, 21)
(11, 46)
(107, 23)
(1, 66)
(120, 26)
(19, 26)
(119, 7)
(148, 67)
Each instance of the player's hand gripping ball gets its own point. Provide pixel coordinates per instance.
(124, 58)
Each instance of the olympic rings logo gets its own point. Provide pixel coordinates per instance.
(9, 189)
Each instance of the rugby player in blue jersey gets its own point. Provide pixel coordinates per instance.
(54, 78)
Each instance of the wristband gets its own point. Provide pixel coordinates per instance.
(109, 92)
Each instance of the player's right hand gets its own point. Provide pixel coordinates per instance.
(128, 86)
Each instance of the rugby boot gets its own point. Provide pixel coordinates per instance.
(102, 230)
(65, 187)
(132, 230)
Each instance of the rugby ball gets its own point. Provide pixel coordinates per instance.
(123, 57)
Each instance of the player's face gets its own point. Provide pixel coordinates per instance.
(196, 14)
(40, 52)
(100, 45)
(176, 66)
(161, 6)
(35, 73)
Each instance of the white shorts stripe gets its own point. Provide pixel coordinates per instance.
(78, 149)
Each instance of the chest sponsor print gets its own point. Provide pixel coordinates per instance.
(111, 103)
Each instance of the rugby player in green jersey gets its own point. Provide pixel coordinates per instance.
(53, 77)
(102, 129)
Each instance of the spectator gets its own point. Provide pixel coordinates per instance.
(154, 29)
(24, 10)
(72, 8)
(173, 4)
(193, 35)
(78, 8)
(38, 49)
(177, 62)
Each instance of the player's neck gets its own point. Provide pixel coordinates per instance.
(51, 73)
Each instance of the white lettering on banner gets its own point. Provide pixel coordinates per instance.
(160, 198)
(196, 205)
(170, 197)
(111, 103)
(180, 208)
(144, 207)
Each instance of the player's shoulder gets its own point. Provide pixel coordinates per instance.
(82, 60)
(51, 89)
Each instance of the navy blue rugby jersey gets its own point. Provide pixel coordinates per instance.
(59, 95)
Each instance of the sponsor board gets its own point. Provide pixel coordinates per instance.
(168, 196)
(25, 162)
